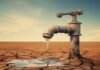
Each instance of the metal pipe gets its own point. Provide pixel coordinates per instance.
(74, 43)
(73, 29)
(54, 30)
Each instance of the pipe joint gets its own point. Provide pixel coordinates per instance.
(74, 28)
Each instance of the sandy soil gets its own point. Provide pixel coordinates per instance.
(59, 50)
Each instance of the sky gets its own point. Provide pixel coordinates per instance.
(27, 20)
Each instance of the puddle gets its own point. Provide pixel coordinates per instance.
(36, 63)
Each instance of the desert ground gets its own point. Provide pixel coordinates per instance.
(60, 50)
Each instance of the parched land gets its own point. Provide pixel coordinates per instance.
(60, 50)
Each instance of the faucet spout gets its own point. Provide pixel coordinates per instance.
(56, 29)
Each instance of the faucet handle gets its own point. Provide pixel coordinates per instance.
(72, 13)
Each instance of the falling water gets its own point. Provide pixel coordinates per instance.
(47, 44)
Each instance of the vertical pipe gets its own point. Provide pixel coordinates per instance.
(74, 18)
(74, 42)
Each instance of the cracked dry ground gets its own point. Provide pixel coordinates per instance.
(8, 54)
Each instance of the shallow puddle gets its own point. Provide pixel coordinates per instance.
(36, 63)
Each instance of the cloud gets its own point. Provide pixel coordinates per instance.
(15, 22)
(26, 5)
(95, 34)
(95, 31)
(91, 34)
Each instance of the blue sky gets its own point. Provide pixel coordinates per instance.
(26, 20)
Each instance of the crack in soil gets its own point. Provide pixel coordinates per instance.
(88, 64)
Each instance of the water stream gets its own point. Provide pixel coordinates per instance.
(47, 44)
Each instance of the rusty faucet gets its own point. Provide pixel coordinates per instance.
(73, 30)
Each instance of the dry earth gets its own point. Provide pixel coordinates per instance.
(59, 50)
